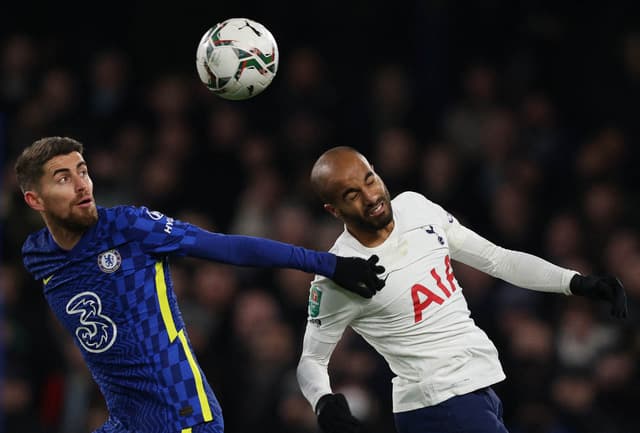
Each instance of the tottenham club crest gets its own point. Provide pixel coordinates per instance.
(109, 261)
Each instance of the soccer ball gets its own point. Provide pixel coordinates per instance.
(237, 58)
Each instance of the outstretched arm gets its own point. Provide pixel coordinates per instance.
(515, 267)
(531, 272)
(354, 274)
(163, 235)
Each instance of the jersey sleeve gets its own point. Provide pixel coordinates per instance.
(162, 235)
(331, 310)
(515, 267)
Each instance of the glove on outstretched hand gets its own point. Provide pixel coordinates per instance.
(334, 415)
(359, 275)
(605, 288)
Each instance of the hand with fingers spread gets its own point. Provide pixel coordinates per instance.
(606, 288)
(359, 275)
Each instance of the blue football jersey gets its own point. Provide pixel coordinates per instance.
(113, 294)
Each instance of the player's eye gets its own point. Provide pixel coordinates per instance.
(370, 178)
(63, 179)
(352, 196)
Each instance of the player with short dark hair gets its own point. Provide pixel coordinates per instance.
(106, 277)
(444, 364)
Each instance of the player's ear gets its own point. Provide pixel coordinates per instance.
(33, 200)
(332, 210)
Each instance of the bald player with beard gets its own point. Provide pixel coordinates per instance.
(444, 364)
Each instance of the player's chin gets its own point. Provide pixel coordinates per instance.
(86, 217)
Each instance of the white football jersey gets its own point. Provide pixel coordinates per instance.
(419, 322)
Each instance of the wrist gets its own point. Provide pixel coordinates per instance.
(322, 402)
(330, 264)
(575, 285)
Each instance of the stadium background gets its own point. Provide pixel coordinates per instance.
(518, 117)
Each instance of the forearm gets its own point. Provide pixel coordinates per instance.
(313, 380)
(518, 268)
(312, 374)
(259, 252)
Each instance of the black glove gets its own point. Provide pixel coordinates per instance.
(334, 415)
(605, 288)
(359, 275)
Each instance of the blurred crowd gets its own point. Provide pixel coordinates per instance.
(531, 141)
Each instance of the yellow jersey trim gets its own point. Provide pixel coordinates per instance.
(170, 325)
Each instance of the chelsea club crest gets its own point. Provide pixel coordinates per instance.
(109, 261)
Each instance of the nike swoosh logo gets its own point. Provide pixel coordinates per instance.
(46, 280)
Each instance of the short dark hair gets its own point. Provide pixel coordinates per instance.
(29, 166)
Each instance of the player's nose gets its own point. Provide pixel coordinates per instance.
(81, 183)
(370, 196)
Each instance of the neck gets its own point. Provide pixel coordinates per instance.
(65, 237)
(372, 239)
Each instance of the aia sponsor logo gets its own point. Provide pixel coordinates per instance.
(423, 296)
